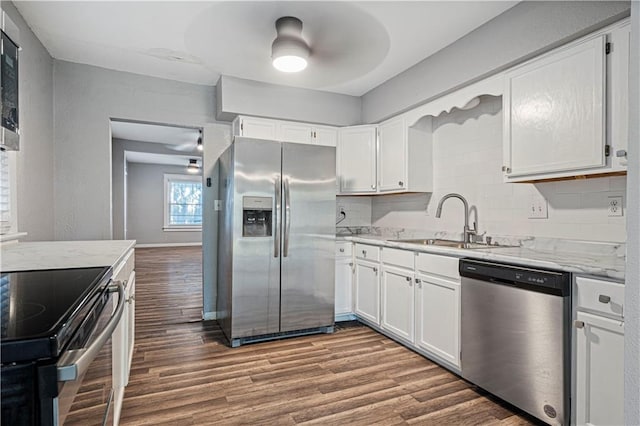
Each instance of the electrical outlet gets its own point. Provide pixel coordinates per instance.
(538, 208)
(615, 206)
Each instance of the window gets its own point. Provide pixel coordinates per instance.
(183, 202)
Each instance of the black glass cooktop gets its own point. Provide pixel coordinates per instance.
(42, 309)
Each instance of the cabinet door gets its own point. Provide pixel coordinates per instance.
(438, 317)
(599, 371)
(554, 112)
(296, 132)
(131, 323)
(392, 158)
(327, 136)
(357, 165)
(367, 292)
(398, 302)
(259, 128)
(344, 275)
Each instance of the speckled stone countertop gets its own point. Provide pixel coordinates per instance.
(605, 260)
(62, 254)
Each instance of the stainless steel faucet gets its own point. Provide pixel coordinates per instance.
(468, 232)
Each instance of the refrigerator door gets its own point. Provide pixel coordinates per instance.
(256, 261)
(308, 236)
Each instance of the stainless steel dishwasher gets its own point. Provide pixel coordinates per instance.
(516, 336)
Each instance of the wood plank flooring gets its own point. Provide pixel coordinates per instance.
(183, 372)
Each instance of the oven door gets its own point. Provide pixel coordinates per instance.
(85, 377)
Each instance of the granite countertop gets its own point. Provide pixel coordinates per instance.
(605, 260)
(62, 254)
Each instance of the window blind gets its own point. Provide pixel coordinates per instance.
(5, 194)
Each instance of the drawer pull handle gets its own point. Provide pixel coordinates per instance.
(341, 250)
(604, 299)
(578, 324)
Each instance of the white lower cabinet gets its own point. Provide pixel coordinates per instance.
(398, 302)
(598, 335)
(343, 290)
(367, 291)
(438, 317)
(123, 336)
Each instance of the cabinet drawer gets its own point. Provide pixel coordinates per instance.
(605, 297)
(434, 264)
(402, 258)
(364, 251)
(344, 248)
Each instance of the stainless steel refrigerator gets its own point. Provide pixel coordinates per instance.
(276, 242)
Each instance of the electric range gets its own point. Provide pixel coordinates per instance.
(53, 324)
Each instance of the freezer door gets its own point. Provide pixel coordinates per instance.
(308, 236)
(255, 292)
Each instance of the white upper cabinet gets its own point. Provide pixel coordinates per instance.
(357, 159)
(296, 132)
(253, 127)
(554, 112)
(286, 131)
(325, 135)
(392, 161)
(566, 112)
(389, 158)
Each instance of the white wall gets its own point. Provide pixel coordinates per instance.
(85, 98)
(118, 170)
(239, 96)
(145, 205)
(632, 285)
(468, 160)
(35, 158)
(524, 31)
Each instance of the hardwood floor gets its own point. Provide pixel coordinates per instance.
(183, 372)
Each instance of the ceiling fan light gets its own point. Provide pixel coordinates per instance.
(289, 51)
(289, 63)
(193, 166)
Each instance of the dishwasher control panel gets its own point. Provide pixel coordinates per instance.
(543, 280)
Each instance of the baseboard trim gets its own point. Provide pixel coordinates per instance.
(168, 245)
(210, 316)
(345, 317)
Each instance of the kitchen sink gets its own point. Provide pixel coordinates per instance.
(447, 243)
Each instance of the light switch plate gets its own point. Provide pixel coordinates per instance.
(615, 206)
(538, 208)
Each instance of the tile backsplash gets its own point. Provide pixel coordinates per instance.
(468, 160)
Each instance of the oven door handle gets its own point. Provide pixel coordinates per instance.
(74, 363)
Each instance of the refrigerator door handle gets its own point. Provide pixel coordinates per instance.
(277, 201)
(286, 218)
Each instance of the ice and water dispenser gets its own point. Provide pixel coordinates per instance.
(257, 216)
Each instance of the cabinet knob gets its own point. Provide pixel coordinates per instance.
(375, 269)
(408, 278)
(418, 281)
(506, 169)
(578, 324)
(364, 253)
(341, 250)
(604, 299)
(401, 183)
